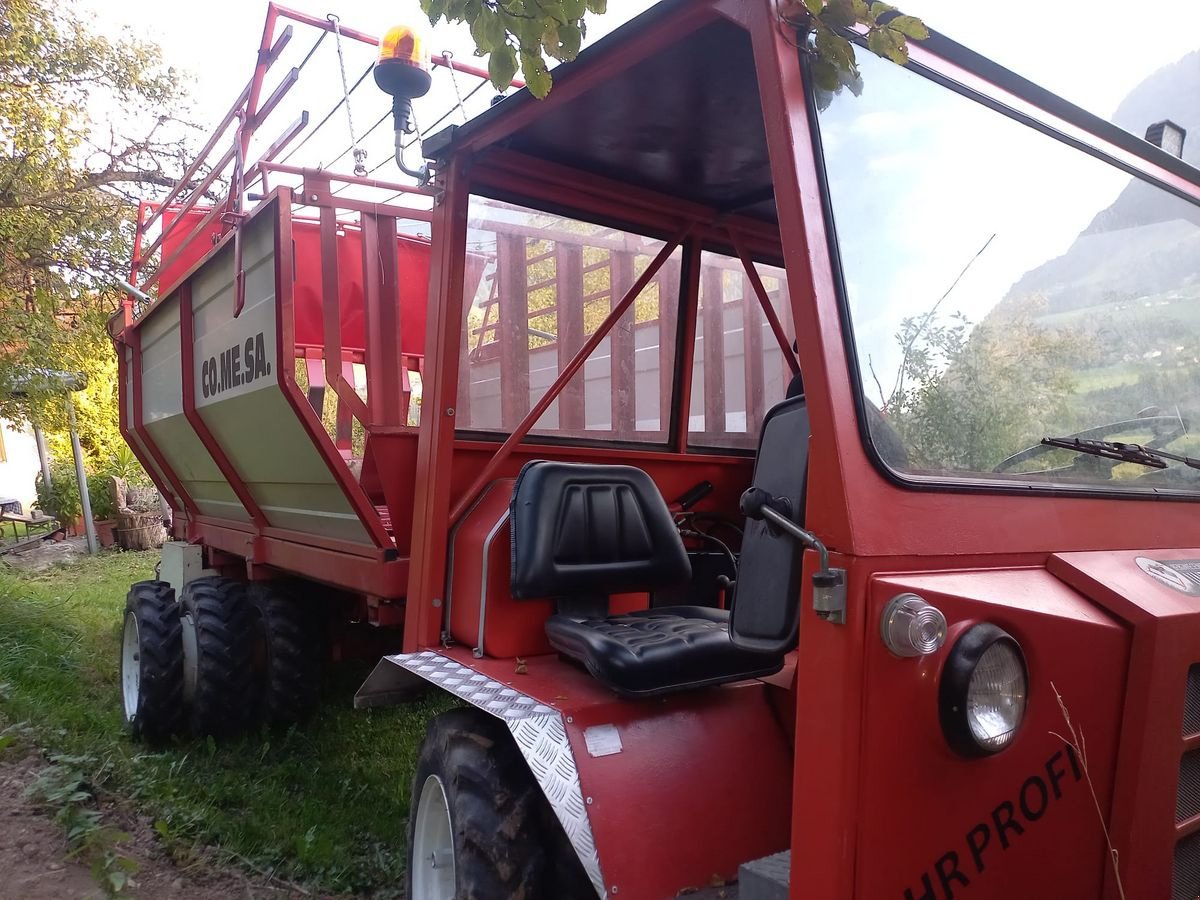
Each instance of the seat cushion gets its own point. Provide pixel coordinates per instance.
(582, 529)
(658, 651)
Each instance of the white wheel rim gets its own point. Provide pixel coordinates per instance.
(131, 667)
(433, 845)
(190, 657)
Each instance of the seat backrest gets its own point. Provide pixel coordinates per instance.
(766, 609)
(581, 530)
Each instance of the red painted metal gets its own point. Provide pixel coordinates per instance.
(875, 803)
(347, 571)
(381, 294)
(1166, 644)
(285, 268)
(679, 806)
(691, 316)
(764, 302)
(431, 502)
(908, 774)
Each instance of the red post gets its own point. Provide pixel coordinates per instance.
(622, 348)
(331, 308)
(569, 297)
(752, 358)
(513, 329)
(714, 350)
(385, 394)
(687, 333)
(435, 451)
(668, 340)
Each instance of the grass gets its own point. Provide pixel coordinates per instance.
(324, 804)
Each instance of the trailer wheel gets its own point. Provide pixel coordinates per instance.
(286, 656)
(152, 662)
(218, 641)
(475, 825)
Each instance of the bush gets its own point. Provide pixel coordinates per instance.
(101, 497)
(61, 498)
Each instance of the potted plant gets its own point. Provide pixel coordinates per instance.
(61, 498)
(103, 509)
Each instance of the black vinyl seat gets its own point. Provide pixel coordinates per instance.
(581, 533)
(655, 651)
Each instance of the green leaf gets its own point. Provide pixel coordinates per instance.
(562, 42)
(537, 76)
(878, 8)
(839, 14)
(574, 9)
(487, 30)
(825, 74)
(835, 49)
(909, 26)
(889, 44)
(815, 6)
(599, 7)
(502, 67)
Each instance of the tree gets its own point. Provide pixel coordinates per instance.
(522, 33)
(969, 397)
(68, 192)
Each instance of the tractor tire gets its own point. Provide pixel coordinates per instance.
(287, 656)
(487, 815)
(152, 663)
(223, 700)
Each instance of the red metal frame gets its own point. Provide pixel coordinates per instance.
(857, 710)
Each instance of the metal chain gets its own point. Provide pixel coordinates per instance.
(449, 57)
(360, 155)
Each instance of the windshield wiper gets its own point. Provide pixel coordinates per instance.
(1133, 453)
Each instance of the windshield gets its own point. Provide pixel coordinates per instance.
(1004, 287)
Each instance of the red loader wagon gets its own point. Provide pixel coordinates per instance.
(921, 623)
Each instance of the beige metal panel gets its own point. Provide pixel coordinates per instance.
(239, 397)
(163, 418)
(275, 457)
(194, 468)
(136, 443)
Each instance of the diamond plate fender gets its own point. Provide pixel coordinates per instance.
(537, 728)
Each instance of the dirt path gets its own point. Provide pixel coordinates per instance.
(34, 865)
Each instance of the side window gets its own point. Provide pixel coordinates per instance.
(538, 286)
(739, 370)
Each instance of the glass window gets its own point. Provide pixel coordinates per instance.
(1005, 287)
(538, 286)
(739, 370)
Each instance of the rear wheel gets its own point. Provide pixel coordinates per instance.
(152, 662)
(475, 827)
(286, 655)
(218, 637)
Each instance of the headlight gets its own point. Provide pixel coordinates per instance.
(983, 692)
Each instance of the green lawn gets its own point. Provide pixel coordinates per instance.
(324, 804)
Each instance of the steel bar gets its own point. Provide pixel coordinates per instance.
(764, 301)
(531, 418)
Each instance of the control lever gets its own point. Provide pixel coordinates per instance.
(694, 495)
(829, 585)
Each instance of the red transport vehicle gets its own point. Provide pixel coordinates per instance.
(924, 623)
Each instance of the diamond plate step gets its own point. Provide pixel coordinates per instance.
(766, 878)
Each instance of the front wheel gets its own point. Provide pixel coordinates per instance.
(475, 826)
